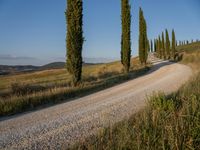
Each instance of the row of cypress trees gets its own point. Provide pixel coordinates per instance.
(75, 39)
(165, 48)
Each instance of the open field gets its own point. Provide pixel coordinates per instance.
(27, 91)
(168, 122)
(62, 125)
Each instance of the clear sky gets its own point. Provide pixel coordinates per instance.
(33, 31)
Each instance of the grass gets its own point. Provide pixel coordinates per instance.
(168, 122)
(28, 91)
(192, 58)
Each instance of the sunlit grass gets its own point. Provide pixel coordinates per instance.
(167, 122)
(28, 91)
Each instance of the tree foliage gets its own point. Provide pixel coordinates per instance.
(167, 44)
(74, 39)
(126, 34)
(173, 43)
(143, 39)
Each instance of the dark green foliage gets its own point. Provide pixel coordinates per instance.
(173, 44)
(167, 44)
(163, 46)
(74, 39)
(151, 46)
(143, 39)
(160, 47)
(155, 45)
(126, 34)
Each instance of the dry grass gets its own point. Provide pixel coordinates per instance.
(28, 91)
(192, 58)
(168, 122)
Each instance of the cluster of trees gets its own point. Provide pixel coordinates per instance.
(165, 48)
(186, 42)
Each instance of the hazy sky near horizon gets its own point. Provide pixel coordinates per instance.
(33, 31)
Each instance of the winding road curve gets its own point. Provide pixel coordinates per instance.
(63, 124)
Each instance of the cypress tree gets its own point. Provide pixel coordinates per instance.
(159, 47)
(143, 39)
(173, 44)
(167, 44)
(163, 46)
(155, 45)
(126, 34)
(74, 39)
(151, 46)
(141, 36)
(146, 43)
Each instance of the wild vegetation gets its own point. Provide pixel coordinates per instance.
(32, 90)
(168, 122)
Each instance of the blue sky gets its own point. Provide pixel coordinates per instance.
(33, 31)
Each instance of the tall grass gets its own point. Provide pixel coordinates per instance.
(168, 122)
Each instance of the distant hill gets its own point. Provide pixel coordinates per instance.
(6, 70)
(54, 65)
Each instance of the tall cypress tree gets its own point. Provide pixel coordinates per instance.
(126, 34)
(167, 44)
(74, 39)
(159, 47)
(151, 46)
(155, 45)
(141, 36)
(163, 46)
(173, 44)
(143, 39)
(146, 42)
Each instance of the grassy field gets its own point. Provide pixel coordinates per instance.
(168, 122)
(27, 91)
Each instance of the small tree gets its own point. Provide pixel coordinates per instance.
(74, 39)
(126, 34)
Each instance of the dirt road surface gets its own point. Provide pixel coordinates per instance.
(66, 123)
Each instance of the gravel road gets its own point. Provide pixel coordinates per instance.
(63, 124)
